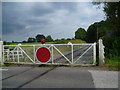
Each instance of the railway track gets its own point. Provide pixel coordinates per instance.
(38, 76)
(32, 78)
(76, 53)
(17, 73)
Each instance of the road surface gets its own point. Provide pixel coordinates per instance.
(57, 77)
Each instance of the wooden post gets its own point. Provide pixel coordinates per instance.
(101, 52)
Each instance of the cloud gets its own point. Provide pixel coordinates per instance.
(27, 19)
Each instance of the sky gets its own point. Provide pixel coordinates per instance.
(21, 20)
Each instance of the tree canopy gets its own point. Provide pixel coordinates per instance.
(80, 34)
(109, 30)
(112, 12)
(39, 37)
(49, 39)
(31, 40)
(98, 30)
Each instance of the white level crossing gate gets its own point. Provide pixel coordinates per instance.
(62, 54)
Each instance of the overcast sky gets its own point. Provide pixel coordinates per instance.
(58, 19)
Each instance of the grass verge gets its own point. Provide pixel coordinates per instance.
(113, 63)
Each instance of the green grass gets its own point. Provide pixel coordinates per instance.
(113, 61)
(30, 43)
(75, 41)
(6, 65)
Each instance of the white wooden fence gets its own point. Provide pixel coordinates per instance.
(77, 54)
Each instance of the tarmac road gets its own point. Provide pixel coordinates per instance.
(58, 77)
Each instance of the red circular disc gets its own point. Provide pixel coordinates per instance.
(43, 54)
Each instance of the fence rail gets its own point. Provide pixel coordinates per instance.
(84, 53)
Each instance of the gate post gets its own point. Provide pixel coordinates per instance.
(1, 49)
(94, 53)
(101, 52)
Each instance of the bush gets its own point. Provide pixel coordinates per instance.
(112, 46)
(6, 43)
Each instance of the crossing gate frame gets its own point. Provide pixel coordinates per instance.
(18, 51)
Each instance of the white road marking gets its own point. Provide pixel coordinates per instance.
(3, 69)
(105, 79)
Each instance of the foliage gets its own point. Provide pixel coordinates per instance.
(112, 46)
(6, 43)
(7, 64)
(31, 40)
(75, 41)
(39, 37)
(80, 34)
(109, 31)
(113, 61)
(49, 39)
(92, 33)
(60, 41)
(112, 11)
(98, 30)
(68, 38)
(24, 41)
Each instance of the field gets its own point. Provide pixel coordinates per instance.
(75, 41)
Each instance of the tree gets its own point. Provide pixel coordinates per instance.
(31, 40)
(49, 39)
(62, 39)
(112, 11)
(68, 38)
(39, 37)
(24, 41)
(99, 30)
(92, 33)
(57, 40)
(112, 37)
(12, 41)
(80, 34)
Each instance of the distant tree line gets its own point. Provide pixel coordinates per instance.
(38, 38)
(47, 39)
